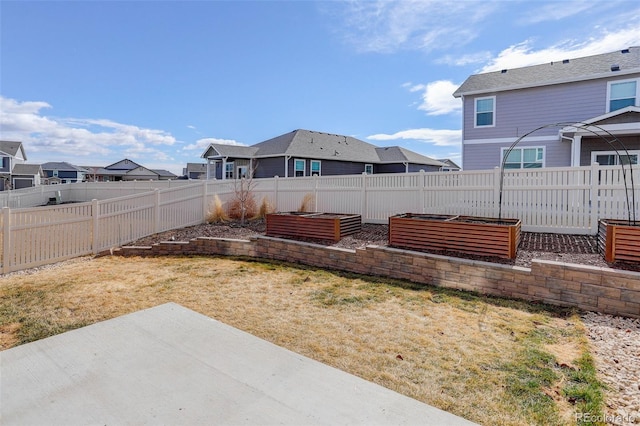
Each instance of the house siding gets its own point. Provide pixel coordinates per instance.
(329, 168)
(521, 111)
(269, 167)
(631, 143)
(488, 156)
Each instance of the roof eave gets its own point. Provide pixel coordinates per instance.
(458, 94)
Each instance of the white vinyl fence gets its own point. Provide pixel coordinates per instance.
(93, 217)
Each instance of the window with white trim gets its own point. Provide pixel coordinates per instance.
(228, 170)
(368, 169)
(299, 168)
(485, 112)
(524, 158)
(611, 158)
(622, 93)
(315, 167)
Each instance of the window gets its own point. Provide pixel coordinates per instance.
(524, 158)
(611, 158)
(485, 111)
(368, 169)
(315, 167)
(242, 172)
(299, 168)
(228, 170)
(622, 94)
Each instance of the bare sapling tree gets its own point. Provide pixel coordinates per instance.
(243, 204)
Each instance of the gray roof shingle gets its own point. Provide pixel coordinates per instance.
(324, 146)
(586, 68)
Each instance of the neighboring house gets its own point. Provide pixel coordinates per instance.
(125, 170)
(308, 153)
(26, 175)
(164, 174)
(63, 172)
(449, 166)
(195, 171)
(11, 153)
(600, 90)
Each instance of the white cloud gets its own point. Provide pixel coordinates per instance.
(437, 97)
(78, 140)
(425, 135)
(558, 10)
(202, 144)
(523, 54)
(387, 26)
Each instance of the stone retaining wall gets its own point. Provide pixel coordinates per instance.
(589, 288)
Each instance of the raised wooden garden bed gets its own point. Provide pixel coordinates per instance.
(619, 240)
(480, 236)
(319, 226)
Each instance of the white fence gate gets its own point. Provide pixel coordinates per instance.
(98, 216)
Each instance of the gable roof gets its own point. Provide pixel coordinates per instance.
(604, 65)
(196, 167)
(13, 148)
(397, 154)
(224, 150)
(27, 169)
(449, 163)
(164, 173)
(619, 122)
(125, 164)
(62, 165)
(319, 145)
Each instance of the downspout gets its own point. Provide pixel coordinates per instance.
(575, 149)
(286, 165)
(223, 171)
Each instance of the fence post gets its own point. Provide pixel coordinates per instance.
(496, 191)
(275, 193)
(363, 197)
(423, 189)
(594, 197)
(6, 239)
(96, 223)
(315, 193)
(205, 204)
(156, 210)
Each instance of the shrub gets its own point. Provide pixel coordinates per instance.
(216, 211)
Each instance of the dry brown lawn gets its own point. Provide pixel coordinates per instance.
(471, 355)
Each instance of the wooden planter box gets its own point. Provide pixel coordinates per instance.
(480, 236)
(319, 226)
(618, 240)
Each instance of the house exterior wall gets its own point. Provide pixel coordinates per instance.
(631, 143)
(518, 112)
(488, 156)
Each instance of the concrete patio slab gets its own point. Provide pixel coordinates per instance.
(170, 365)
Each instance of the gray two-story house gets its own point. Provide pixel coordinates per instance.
(11, 154)
(572, 112)
(63, 172)
(310, 153)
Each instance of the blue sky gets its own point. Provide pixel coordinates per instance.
(94, 82)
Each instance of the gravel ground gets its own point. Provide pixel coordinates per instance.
(615, 344)
(615, 341)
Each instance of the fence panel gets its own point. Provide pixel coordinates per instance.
(43, 235)
(464, 193)
(563, 200)
(125, 219)
(547, 200)
(180, 207)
